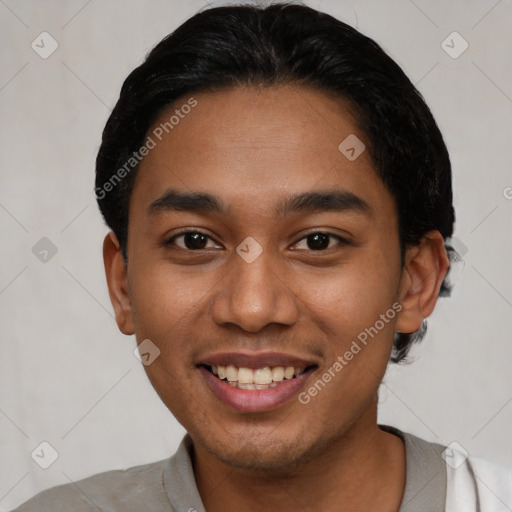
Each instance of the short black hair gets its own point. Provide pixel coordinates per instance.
(287, 44)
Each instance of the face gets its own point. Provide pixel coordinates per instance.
(285, 254)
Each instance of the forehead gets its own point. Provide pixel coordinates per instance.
(253, 144)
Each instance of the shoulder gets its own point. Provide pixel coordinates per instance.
(455, 481)
(482, 482)
(136, 488)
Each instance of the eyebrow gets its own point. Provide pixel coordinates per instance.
(323, 201)
(307, 202)
(173, 200)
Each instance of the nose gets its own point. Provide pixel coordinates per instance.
(254, 295)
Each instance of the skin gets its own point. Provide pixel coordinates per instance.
(251, 148)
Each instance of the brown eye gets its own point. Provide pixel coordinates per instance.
(190, 240)
(195, 240)
(320, 241)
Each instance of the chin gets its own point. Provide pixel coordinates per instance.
(264, 452)
(283, 457)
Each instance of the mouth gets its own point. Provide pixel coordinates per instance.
(257, 378)
(255, 383)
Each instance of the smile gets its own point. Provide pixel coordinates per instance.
(250, 383)
(255, 379)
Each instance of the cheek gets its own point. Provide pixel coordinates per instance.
(162, 293)
(165, 306)
(359, 314)
(353, 296)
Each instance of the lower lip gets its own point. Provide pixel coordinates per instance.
(254, 400)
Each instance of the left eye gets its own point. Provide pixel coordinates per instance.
(320, 241)
(191, 240)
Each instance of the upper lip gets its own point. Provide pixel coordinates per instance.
(256, 360)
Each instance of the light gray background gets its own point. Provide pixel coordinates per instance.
(70, 378)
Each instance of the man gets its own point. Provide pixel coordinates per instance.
(279, 197)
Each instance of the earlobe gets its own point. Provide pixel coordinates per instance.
(426, 265)
(117, 281)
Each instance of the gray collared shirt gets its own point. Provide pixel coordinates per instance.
(169, 485)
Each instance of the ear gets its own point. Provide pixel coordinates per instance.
(426, 265)
(117, 281)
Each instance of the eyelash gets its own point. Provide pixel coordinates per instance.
(184, 232)
(342, 241)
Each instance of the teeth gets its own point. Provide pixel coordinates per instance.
(277, 373)
(242, 385)
(263, 375)
(252, 386)
(245, 376)
(261, 378)
(288, 373)
(231, 373)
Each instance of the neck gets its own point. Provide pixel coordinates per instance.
(363, 469)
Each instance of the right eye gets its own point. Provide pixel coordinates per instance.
(190, 241)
